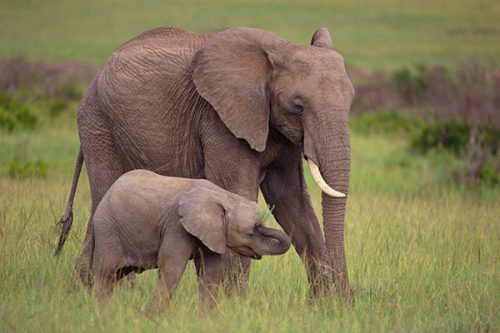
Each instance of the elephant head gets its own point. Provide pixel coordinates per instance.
(220, 220)
(258, 82)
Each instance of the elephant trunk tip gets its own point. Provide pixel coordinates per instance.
(278, 239)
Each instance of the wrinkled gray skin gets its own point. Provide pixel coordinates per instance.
(240, 108)
(148, 221)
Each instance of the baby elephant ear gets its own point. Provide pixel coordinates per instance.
(322, 38)
(203, 217)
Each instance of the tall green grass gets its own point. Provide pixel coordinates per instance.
(422, 255)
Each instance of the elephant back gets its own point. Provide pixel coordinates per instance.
(171, 37)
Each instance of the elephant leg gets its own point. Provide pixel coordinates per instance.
(231, 165)
(103, 287)
(284, 188)
(237, 272)
(237, 266)
(103, 168)
(104, 267)
(210, 271)
(173, 256)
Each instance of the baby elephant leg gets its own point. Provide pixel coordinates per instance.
(173, 257)
(210, 271)
(103, 286)
(104, 267)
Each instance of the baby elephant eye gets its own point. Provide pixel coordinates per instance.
(251, 232)
(298, 105)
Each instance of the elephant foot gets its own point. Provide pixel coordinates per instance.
(129, 280)
(158, 304)
(82, 272)
(328, 290)
(331, 283)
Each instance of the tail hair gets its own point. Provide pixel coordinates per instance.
(67, 219)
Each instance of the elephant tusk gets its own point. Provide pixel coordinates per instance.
(316, 174)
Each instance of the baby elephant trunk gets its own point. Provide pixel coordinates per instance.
(274, 241)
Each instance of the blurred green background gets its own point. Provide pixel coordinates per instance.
(383, 34)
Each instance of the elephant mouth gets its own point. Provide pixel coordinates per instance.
(248, 252)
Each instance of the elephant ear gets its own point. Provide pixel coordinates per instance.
(322, 38)
(203, 217)
(231, 72)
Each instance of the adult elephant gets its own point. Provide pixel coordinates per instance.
(240, 108)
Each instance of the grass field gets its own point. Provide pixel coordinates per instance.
(423, 255)
(384, 34)
(422, 252)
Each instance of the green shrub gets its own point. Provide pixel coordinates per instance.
(52, 107)
(65, 81)
(489, 173)
(19, 168)
(7, 120)
(481, 168)
(385, 121)
(476, 149)
(451, 136)
(16, 114)
(71, 92)
(454, 136)
(411, 83)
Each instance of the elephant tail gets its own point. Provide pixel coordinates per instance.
(67, 219)
(92, 247)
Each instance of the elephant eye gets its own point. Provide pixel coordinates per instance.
(298, 105)
(252, 232)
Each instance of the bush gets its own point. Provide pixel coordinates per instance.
(18, 114)
(15, 114)
(20, 166)
(470, 93)
(455, 136)
(481, 159)
(411, 84)
(476, 147)
(456, 111)
(52, 107)
(452, 136)
(27, 169)
(385, 121)
(63, 81)
(30, 91)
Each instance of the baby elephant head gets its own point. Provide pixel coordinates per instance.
(220, 219)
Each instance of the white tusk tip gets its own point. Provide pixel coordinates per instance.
(318, 178)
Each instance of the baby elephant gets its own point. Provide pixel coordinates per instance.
(148, 221)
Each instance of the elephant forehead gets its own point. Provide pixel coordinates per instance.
(247, 209)
(321, 68)
(316, 56)
(247, 205)
(320, 86)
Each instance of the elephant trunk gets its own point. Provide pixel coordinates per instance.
(329, 154)
(274, 242)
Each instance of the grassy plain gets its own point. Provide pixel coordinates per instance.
(384, 34)
(422, 253)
